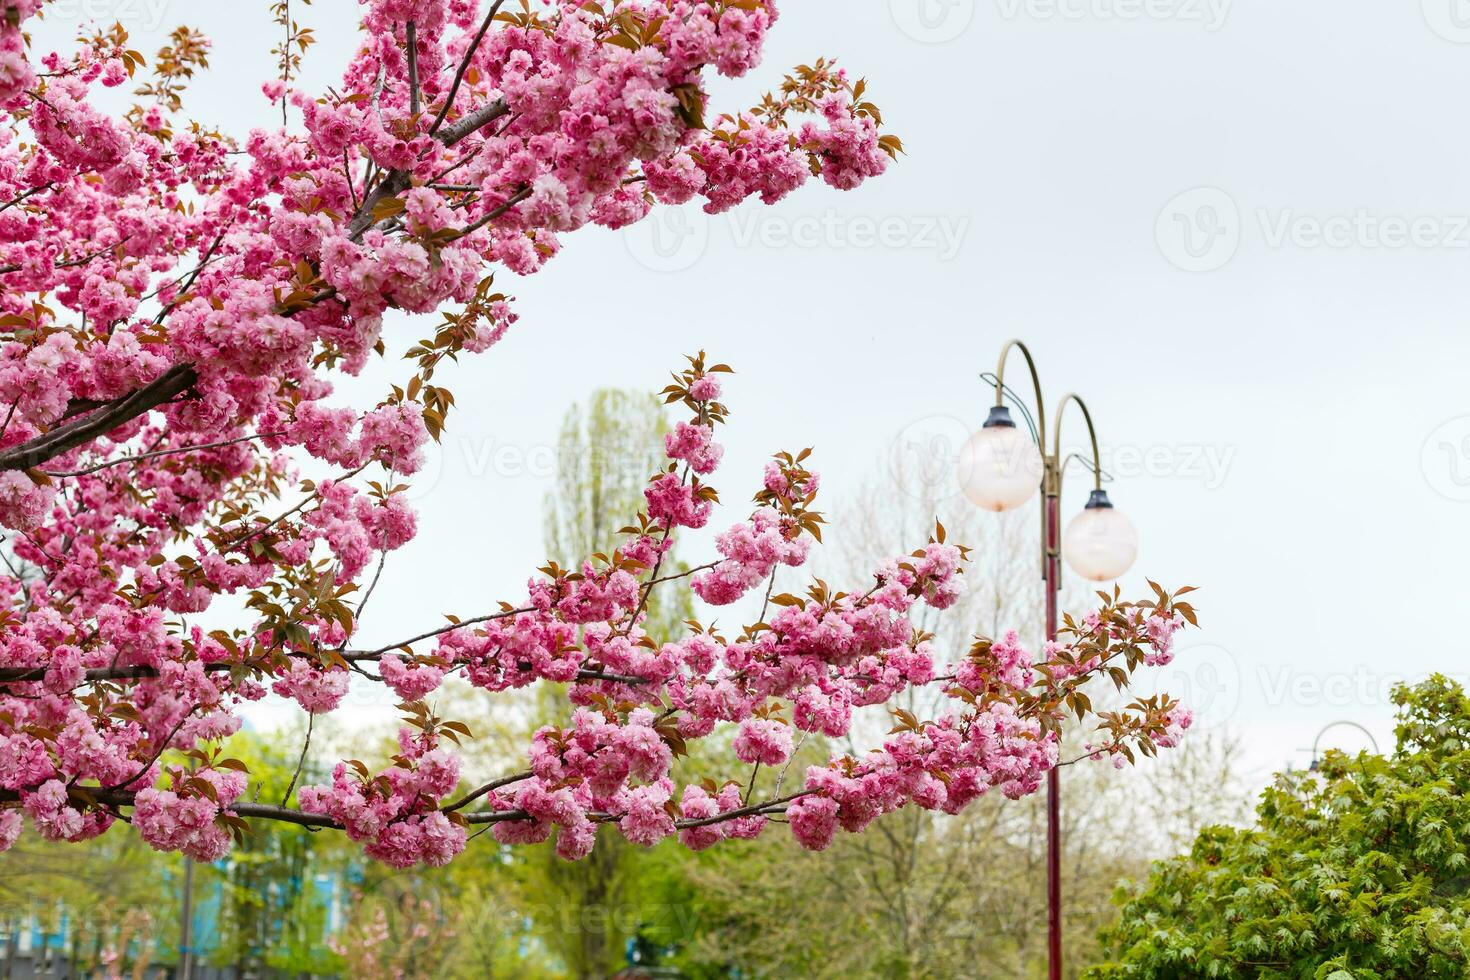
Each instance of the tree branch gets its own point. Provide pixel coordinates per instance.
(515, 199)
(69, 436)
(411, 42)
(486, 790)
(464, 66)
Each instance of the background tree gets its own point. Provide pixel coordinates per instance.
(114, 901)
(935, 895)
(516, 913)
(1356, 870)
(106, 902)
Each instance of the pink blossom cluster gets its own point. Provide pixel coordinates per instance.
(395, 814)
(944, 766)
(186, 295)
(181, 820)
(751, 550)
(820, 655)
(1161, 630)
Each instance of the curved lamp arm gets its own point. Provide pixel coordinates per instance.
(1000, 388)
(1047, 462)
(1074, 399)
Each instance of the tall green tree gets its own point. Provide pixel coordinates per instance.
(608, 449)
(1355, 871)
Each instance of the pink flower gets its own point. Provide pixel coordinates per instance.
(316, 690)
(411, 683)
(645, 820)
(813, 821)
(763, 741)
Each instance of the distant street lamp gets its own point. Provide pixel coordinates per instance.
(1316, 742)
(1001, 468)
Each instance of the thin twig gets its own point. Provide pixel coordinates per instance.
(485, 790)
(301, 762)
(257, 532)
(161, 452)
(369, 654)
(28, 194)
(750, 788)
(781, 778)
(162, 747)
(686, 574)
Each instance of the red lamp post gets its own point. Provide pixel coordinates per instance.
(1001, 468)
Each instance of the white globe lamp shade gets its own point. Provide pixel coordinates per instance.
(1101, 542)
(1000, 467)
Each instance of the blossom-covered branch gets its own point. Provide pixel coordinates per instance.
(179, 305)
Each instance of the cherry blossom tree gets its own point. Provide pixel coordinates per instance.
(177, 306)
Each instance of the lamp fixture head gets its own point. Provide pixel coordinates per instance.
(1000, 468)
(1101, 543)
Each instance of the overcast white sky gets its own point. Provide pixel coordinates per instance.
(1240, 230)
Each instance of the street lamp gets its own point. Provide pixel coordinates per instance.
(1001, 468)
(1317, 742)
